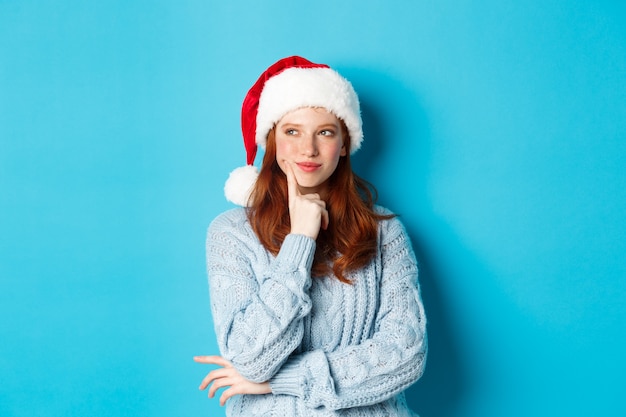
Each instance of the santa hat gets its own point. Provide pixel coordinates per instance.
(290, 84)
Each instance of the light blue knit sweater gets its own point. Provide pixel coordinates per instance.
(327, 348)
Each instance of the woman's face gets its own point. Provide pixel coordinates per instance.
(311, 140)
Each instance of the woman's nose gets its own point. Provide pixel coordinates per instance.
(309, 145)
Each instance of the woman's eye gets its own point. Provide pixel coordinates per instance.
(291, 132)
(327, 132)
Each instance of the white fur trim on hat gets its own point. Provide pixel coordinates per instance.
(295, 88)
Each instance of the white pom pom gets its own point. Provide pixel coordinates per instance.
(239, 184)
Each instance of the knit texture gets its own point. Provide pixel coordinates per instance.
(327, 348)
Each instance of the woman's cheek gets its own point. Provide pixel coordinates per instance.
(282, 154)
(336, 151)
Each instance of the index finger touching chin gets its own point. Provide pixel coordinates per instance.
(292, 182)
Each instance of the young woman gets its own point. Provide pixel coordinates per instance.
(313, 287)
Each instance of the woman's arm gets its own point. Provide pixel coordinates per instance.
(258, 320)
(385, 364)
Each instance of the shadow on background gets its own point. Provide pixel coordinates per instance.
(441, 388)
(389, 108)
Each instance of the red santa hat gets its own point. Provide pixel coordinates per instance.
(290, 84)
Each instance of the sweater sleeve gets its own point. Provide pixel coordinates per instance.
(388, 362)
(258, 319)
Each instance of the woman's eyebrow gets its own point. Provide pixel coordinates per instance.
(320, 126)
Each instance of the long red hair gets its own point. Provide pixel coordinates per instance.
(349, 243)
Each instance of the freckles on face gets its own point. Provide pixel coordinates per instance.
(284, 149)
(311, 140)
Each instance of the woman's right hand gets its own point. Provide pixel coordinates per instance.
(307, 211)
(228, 377)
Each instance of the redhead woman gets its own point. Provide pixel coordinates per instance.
(313, 286)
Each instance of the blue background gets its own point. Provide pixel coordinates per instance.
(496, 129)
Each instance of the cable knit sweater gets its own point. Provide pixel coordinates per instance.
(327, 348)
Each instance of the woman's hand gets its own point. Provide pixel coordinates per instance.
(307, 212)
(227, 376)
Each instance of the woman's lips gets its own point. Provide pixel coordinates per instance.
(308, 166)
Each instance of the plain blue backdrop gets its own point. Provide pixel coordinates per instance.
(496, 129)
